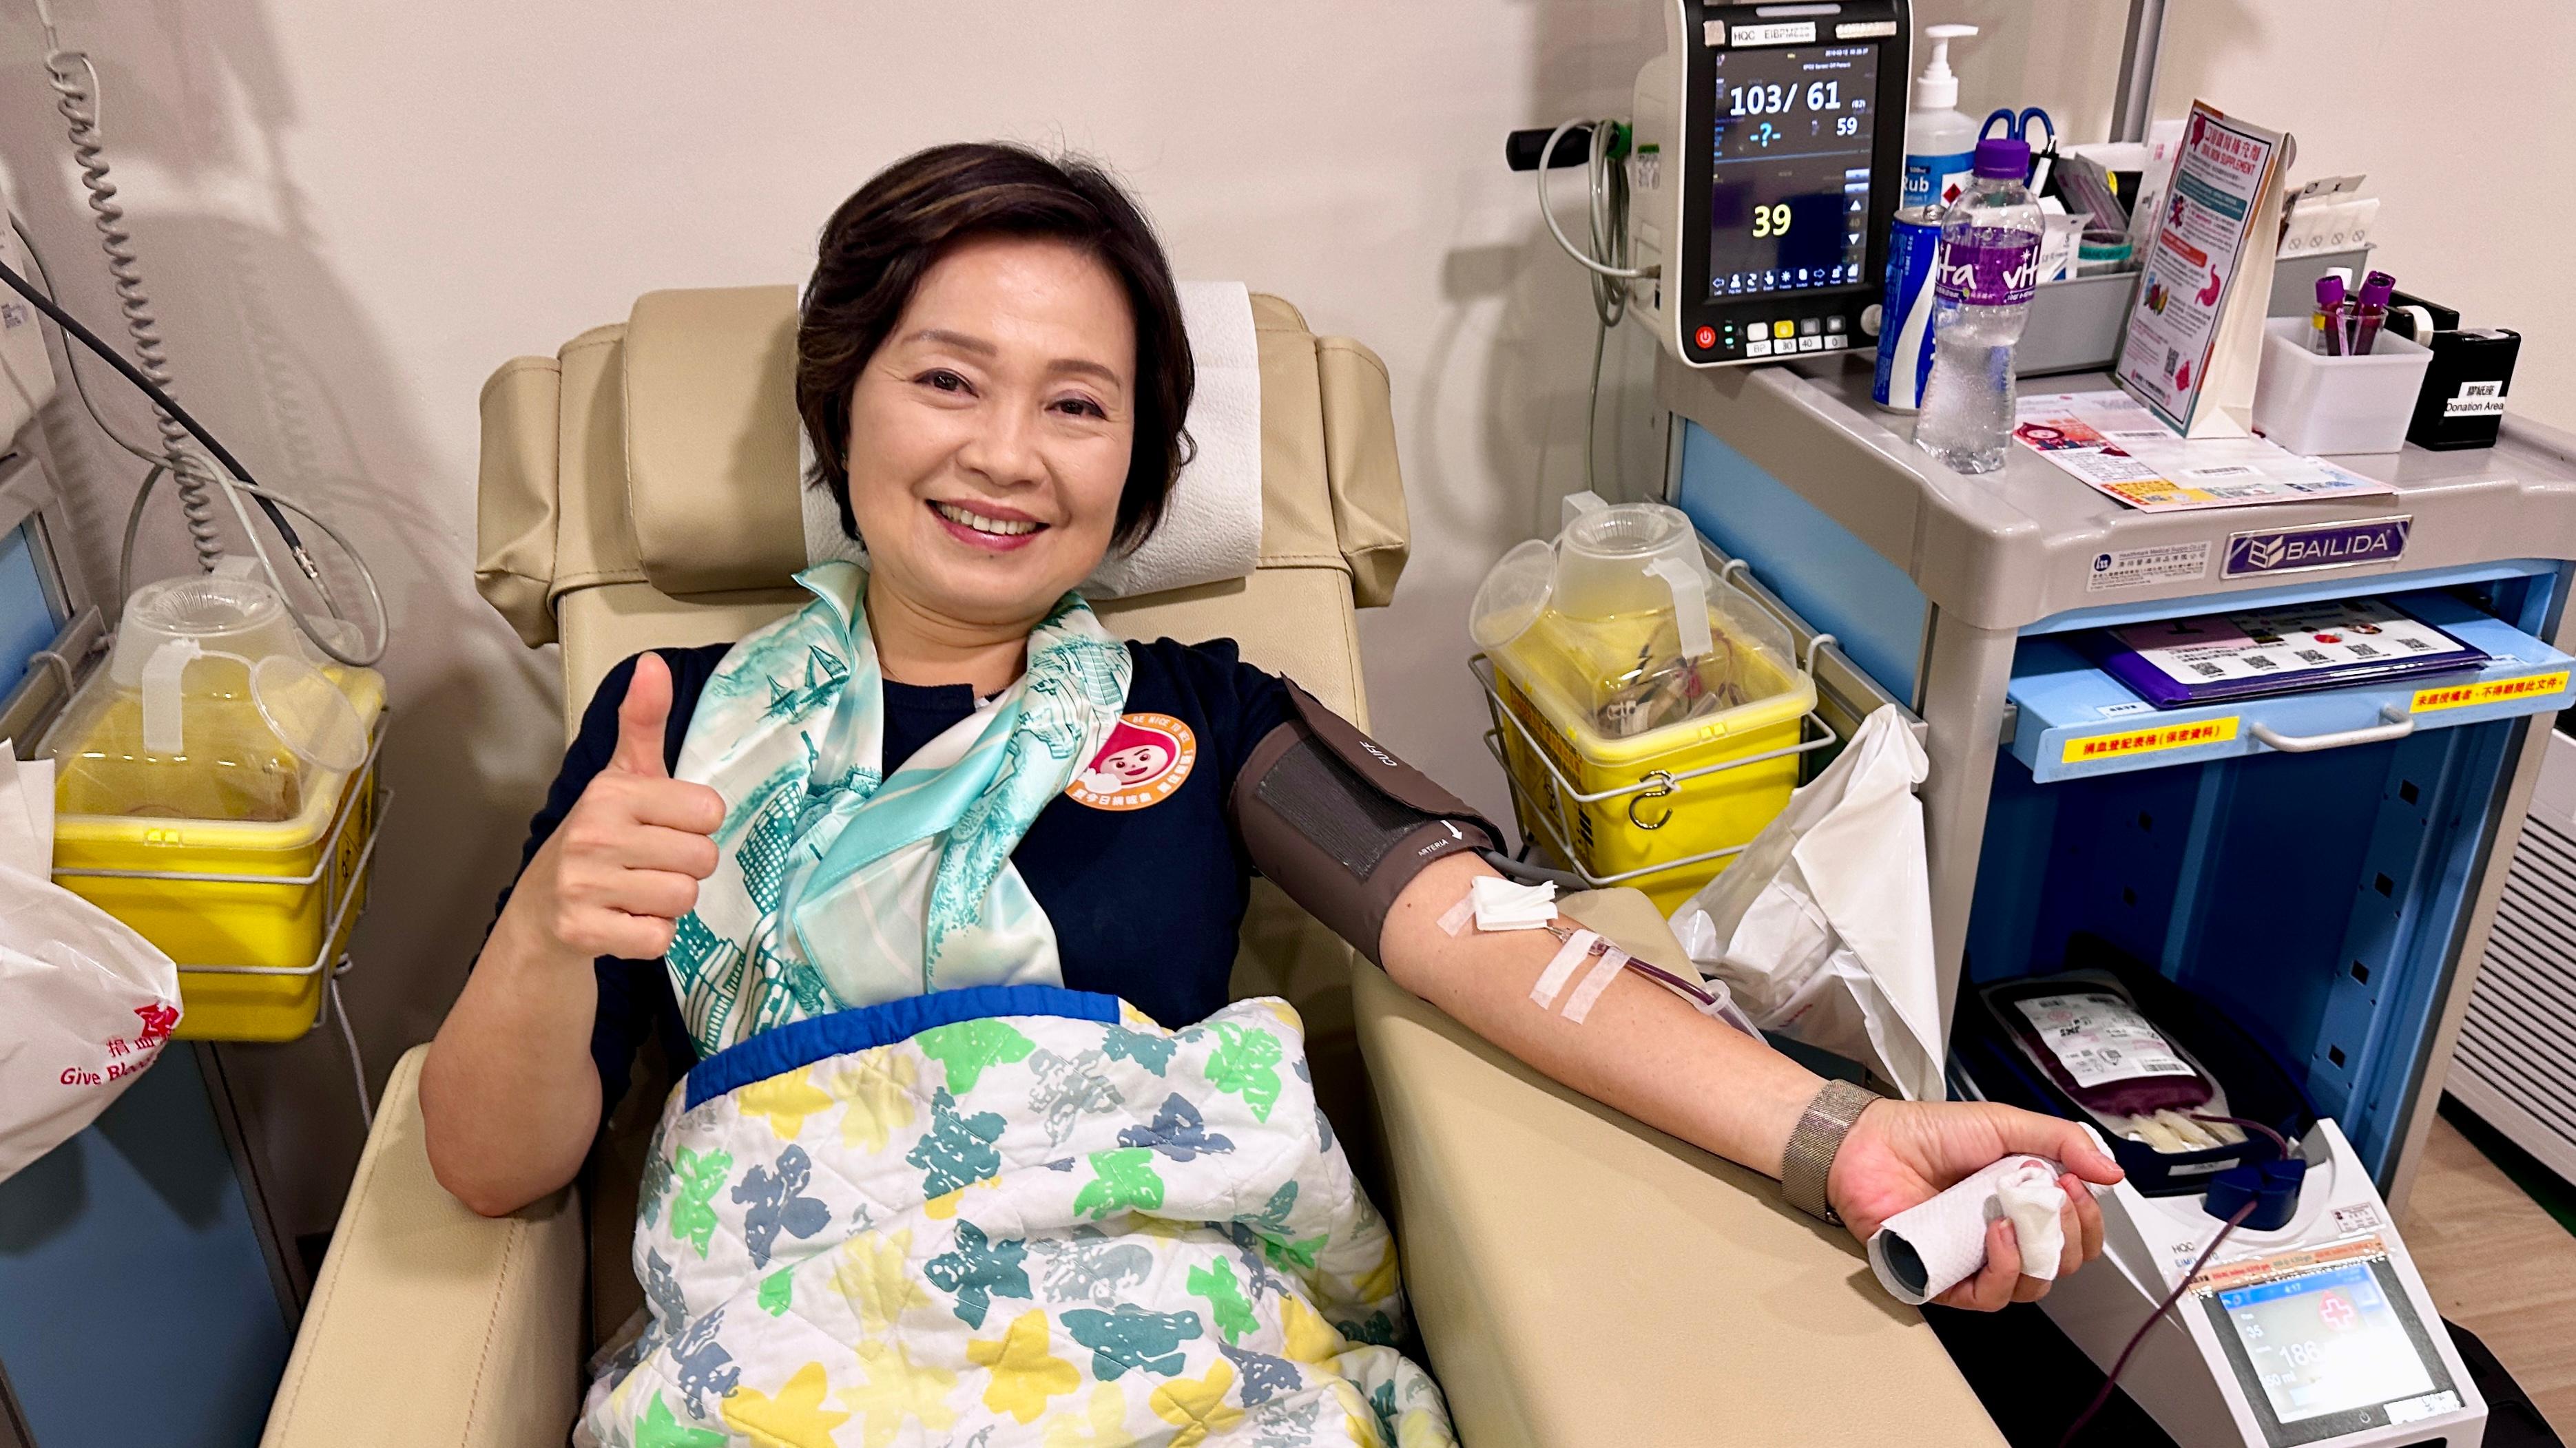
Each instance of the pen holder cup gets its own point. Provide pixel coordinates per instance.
(2315, 404)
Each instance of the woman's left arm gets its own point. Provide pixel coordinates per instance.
(1648, 1053)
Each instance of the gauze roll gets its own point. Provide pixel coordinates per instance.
(1933, 1246)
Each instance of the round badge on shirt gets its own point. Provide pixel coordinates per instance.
(1146, 757)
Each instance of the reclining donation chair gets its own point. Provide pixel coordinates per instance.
(1578, 1279)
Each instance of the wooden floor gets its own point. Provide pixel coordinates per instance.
(2499, 1266)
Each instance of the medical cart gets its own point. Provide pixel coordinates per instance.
(2315, 864)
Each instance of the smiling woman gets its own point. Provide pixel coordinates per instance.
(944, 773)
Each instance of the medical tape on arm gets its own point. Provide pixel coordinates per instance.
(1579, 1005)
(1560, 967)
(1459, 914)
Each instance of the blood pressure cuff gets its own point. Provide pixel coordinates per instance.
(1341, 824)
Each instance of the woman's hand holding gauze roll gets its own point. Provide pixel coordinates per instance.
(1930, 1247)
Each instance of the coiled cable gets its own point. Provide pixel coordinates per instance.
(76, 86)
(79, 104)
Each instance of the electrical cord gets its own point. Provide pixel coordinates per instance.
(2121, 1363)
(339, 540)
(71, 356)
(161, 464)
(349, 1038)
(77, 91)
(133, 524)
(237, 482)
(1606, 185)
(1620, 272)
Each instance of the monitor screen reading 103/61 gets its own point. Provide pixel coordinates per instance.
(1789, 204)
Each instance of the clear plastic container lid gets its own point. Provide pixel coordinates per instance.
(220, 613)
(1515, 592)
(1606, 560)
(1618, 630)
(308, 713)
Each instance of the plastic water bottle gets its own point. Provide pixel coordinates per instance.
(1982, 283)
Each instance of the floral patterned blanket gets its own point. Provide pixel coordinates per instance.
(1010, 1215)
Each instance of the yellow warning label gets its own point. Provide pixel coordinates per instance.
(2490, 691)
(2094, 747)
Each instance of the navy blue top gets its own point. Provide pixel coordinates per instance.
(1146, 899)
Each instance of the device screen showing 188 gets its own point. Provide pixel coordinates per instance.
(2328, 1342)
(1789, 206)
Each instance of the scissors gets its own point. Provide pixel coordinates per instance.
(2043, 156)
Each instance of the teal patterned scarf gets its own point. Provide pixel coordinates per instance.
(840, 886)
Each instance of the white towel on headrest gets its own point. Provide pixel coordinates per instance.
(1211, 526)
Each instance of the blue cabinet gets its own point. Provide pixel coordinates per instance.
(136, 1301)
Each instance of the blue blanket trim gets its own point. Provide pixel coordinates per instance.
(799, 1044)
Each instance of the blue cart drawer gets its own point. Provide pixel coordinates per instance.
(2077, 721)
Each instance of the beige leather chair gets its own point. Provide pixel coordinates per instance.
(1578, 1278)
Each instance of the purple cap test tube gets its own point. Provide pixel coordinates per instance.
(2331, 316)
(2370, 311)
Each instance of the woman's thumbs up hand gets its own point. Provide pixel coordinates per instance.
(624, 866)
(642, 717)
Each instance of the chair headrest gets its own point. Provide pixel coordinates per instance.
(712, 446)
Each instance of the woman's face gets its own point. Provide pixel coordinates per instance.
(989, 435)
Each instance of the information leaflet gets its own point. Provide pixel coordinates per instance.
(2124, 450)
(2196, 326)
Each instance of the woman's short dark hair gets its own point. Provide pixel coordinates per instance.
(881, 241)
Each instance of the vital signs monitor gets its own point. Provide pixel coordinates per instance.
(1769, 154)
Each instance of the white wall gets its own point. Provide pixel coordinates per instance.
(351, 213)
(2473, 211)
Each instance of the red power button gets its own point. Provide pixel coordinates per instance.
(1706, 337)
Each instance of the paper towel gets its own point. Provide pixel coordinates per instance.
(1933, 1246)
(1823, 925)
(26, 813)
(1211, 528)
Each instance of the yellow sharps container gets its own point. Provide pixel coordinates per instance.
(1626, 673)
(222, 805)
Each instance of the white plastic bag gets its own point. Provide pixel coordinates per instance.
(85, 1003)
(1823, 926)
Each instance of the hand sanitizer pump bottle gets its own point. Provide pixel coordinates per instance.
(1940, 139)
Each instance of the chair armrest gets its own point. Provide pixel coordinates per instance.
(1581, 1279)
(432, 1327)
